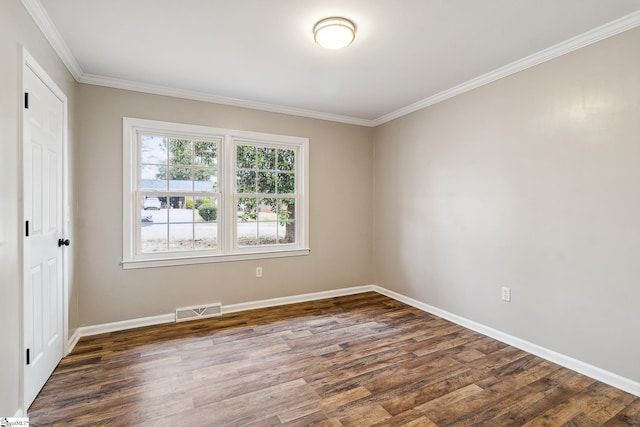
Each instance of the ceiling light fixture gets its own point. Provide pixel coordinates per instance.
(334, 33)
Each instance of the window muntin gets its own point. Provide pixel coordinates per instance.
(266, 195)
(253, 187)
(179, 226)
(181, 173)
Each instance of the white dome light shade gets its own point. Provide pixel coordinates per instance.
(334, 33)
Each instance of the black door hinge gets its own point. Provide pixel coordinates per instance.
(26, 100)
(28, 357)
(26, 228)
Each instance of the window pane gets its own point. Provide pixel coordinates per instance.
(181, 178)
(287, 225)
(245, 157)
(286, 160)
(205, 153)
(153, 224)
(151, 203)
(247, 209)
(207, 210)
(269, 209)
(153, 149)
(286, 232)
(268, 220)
(286, 183)
(246, 181)
(266, 182)
(180, 152)
(179, 213)
(195, 204)
(205, 236)
(266, 158)
(247, 233)
(287, 209)
(153, 177)
(267, 232)
(246, 225)
(153, 238)
(205, 179)
(180, 237)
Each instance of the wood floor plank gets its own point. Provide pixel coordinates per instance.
(359, 360)
(626, 417)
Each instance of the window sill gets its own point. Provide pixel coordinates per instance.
(169, 262)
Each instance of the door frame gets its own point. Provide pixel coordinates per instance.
(29, 62)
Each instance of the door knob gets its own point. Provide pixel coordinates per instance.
(63, 242)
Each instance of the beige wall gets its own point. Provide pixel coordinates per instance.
(17, 30)
(531, 182)
(340, 212)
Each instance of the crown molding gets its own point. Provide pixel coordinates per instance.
(97, 80)
(590, 37)
(42, 20)
(40, 16)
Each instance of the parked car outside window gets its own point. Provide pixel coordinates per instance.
(152, 203)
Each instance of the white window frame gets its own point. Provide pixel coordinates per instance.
(228, 249)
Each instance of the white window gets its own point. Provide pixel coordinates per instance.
(194, 194)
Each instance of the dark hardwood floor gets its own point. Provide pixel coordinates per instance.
(351, 361)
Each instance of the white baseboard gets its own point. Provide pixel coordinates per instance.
(73, 340)
(85, 331)
(19, 414)
(274, 302)
(591, 371)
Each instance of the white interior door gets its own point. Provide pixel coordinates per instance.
(43, 124)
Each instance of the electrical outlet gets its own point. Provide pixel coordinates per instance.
(506, 294)
(258, 271)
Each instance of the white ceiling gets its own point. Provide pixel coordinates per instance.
(260, 53)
